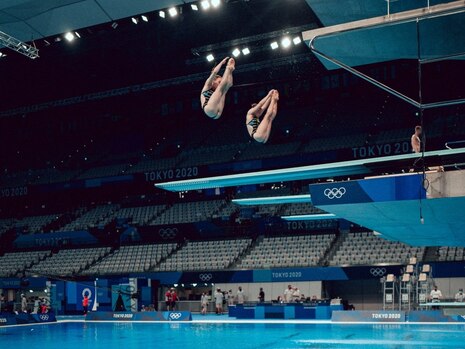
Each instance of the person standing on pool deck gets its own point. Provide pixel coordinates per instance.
(258, 129)
(173, 299)
(435, 296)
(85, 303)
(204, 303)
(219, 301)
(168, 299)
(261, 295)
(288, 292)
(240, 296)
(459, 296)
(214, 91)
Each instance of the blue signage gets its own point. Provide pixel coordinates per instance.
(408, 187)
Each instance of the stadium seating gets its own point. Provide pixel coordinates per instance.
(13, 263)
(451, 254)
(68, 262)
(188, 212)
(367, 248)
(205, 255)
(128, 259)
(287, 251)
(91, 218)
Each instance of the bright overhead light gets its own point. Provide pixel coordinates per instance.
(215, 3)
(205, 4)
(245, 51)
(173, 11)
(69, 36)
(2, 55)
(210, 57)
(274, 45)
(297, 40)
(77, 34)
(194, 7)
(286, 42)
(144, 18)
(236, 52)
(134, 20)
(162, 14)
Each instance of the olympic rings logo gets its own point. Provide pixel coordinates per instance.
(378, 271)
(44, 317)
(88, 291)
(175, 316)
(335, 193)
(205, 277)
(168, 233)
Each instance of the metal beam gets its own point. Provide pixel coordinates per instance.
(390, 20)
(18, 46)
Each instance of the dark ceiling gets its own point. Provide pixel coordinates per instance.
(105, 58)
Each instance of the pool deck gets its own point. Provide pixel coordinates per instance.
(225, 319)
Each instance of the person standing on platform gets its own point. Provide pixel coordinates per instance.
(261, 295)
(85, 303)
(240, 296)
(415, 140)
(219, 301)
(204, 303)
(459, 296)
(168, 299)
(288, 292)
(173, 299)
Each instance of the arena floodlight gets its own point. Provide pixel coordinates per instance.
(205, 4)
(2, 55)
(297, 40)
(194, 7)
(236, 52)
(285, 42)
(77, 34)
(134, 20)
(173, 11)
(210, 57)
(162, 14)
(144, 18)
(69, 36)
(215, 3)
(274, 45)
(245, 51)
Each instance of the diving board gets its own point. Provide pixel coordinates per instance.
(273, 200)
(329, 170)
(310, 217)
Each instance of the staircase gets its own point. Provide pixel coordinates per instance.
(333, 248)
(247, 252)
(431, 254)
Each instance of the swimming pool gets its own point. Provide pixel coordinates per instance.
(80, 335)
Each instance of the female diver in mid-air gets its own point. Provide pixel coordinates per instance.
(215, 89)
(258, 129)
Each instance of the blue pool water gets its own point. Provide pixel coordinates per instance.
(230, 335)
